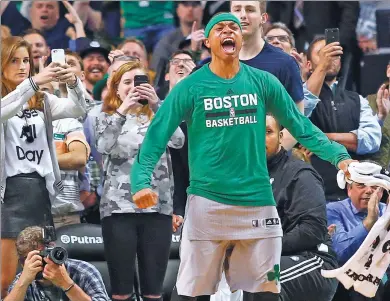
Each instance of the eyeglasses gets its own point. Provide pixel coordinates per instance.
(176, 62)
(281, 39)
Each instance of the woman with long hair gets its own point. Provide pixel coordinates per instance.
(130, 232)
(29, 174)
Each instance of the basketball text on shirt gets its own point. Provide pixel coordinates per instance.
(230, 110)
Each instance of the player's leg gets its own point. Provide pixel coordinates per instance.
(254, 266)
(201, 264)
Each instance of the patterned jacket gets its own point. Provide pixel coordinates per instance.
(119, 140)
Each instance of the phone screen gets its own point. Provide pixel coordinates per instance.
(138, 80)
(332, 35)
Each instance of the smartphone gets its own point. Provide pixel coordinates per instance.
(332, 35)
(138, 80)
(58, 56)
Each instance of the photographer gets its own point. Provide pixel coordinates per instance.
(74, 280)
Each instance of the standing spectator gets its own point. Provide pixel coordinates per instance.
(188, 13)
(30, 176)
(279, 35)
(96, 63)
(344, 116)
(136, 48)
(120, 130)
(180, 66)
(39, 47)
(259, 54)
(148, 21)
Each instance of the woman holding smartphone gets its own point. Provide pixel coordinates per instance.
(127, 230)
(29, 174)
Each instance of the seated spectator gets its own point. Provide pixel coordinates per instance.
(300, 201)
(45, 17)
(148, 21)
(344, 116)
(96, 63)
(73, 280)
(39, 47)
(120, 130)
(353, 219)
(188, 12)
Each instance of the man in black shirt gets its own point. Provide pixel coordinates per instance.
(301, 205)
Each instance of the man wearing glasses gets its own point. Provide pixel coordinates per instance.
(353, 218)
(180, 66)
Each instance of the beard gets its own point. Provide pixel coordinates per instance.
(330, 76)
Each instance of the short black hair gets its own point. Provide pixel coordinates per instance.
(280, 127)
(311, 46)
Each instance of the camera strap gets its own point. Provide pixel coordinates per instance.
(56, 293)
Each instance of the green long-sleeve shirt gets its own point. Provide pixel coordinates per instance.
(226, 134)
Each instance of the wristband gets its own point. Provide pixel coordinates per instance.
(69, 288)
(120, 114)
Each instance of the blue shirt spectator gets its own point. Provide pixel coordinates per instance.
(350, 231)
(283, 66)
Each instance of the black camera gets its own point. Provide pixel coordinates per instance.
(57, 254)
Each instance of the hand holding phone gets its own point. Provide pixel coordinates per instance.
(58, 56)
(332, 35)
(138, 80)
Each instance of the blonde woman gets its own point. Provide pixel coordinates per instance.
(29, 173)
(127, 230)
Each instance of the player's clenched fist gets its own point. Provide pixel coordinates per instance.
(145, 198)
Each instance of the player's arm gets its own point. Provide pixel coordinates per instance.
(280, 104)
(293, 85)
(175, 108)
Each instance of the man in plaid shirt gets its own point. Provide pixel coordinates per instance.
(74, 280)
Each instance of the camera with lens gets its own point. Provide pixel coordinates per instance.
(56, 254)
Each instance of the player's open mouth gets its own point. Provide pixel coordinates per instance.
(229, 45)
(44, 17)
